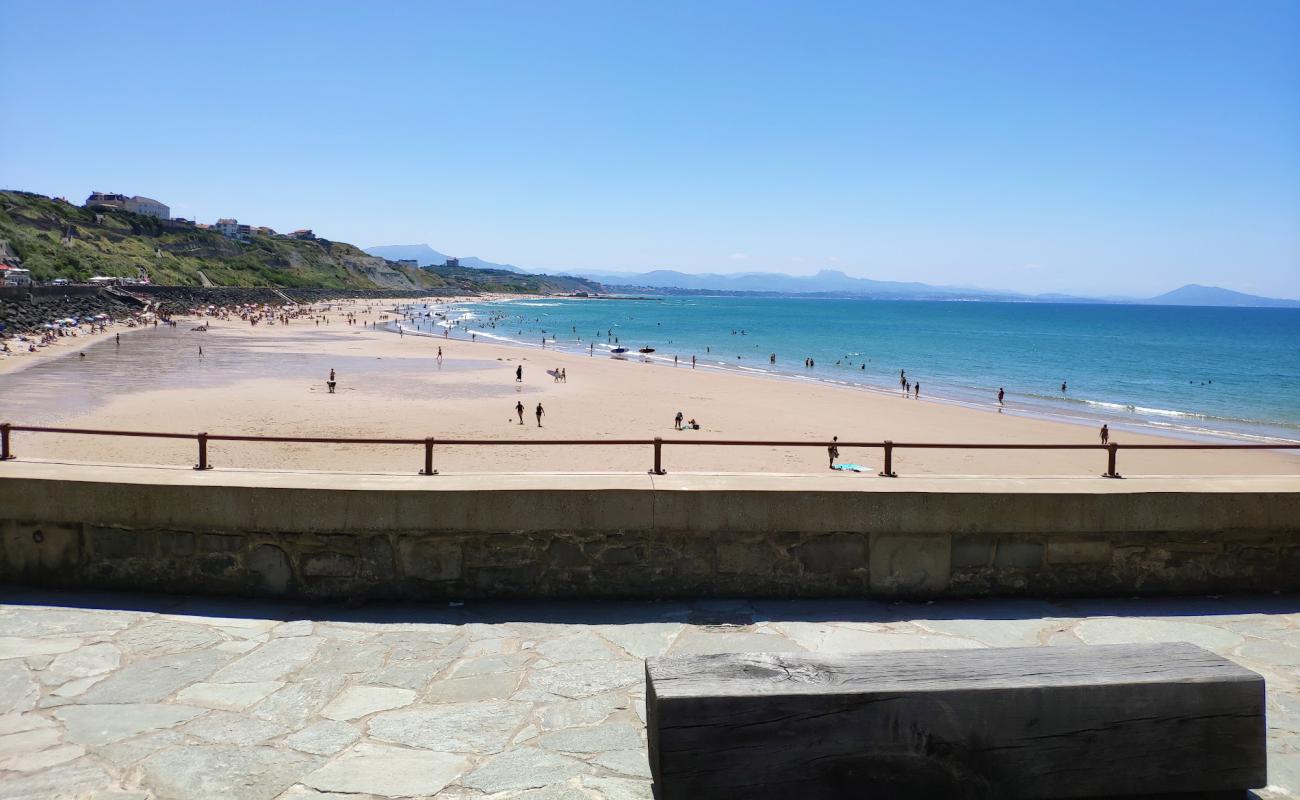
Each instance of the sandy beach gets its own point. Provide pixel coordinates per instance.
(270, 380)
(19, 358)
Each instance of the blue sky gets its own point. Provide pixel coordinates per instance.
(1098, 147)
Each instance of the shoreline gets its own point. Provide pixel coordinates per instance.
(263, 380)
(1038, 408)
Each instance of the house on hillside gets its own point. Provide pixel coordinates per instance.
(14, 276)
(136, 205)
(106, 200)
(231, 229)
(148, 206)
(302, 233)
(452, 262)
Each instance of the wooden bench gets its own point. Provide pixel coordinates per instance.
(1163, 720)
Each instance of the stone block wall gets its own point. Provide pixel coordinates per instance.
(395, 539)
(397, 565)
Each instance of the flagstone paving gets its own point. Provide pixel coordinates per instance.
(134, 697)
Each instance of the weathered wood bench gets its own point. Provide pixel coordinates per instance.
(1163, 720)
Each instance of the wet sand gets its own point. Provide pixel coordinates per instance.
(271, 380)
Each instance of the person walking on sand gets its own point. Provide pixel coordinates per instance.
(1105, 434)
(519, 409)
(519, 374)
(540, 413)
(331, 382)
(677, 421)
(834, 450)
(564, 374)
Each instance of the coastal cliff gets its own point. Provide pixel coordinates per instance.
(55, 239)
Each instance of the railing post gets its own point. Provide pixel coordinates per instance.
(888, 471)
(203, 452)
(5, 454)
(1111, 450)
(659, 457)
(428, 458)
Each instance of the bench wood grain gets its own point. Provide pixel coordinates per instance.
(1038, 722)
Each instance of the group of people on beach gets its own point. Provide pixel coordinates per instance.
(73, 327)
(909, 388)
(689, 425)
(539, 412)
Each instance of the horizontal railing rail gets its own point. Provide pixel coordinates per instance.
(657, 443)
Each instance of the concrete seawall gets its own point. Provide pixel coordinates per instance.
(311, 535)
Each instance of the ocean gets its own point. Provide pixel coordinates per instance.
(1205, 373)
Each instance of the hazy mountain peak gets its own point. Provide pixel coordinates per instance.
(1195, 294)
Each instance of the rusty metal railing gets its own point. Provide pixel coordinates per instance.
(657, 443)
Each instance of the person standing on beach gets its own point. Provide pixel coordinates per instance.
(331, 382)
(540, 413)
(1105, 434)
(1002, 393)
(692, 362)
(519, 409)
(917, 388)
(834, 450)
(117, 339)
(677, 421)
(519, 374)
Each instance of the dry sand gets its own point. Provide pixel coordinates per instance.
(271, 380)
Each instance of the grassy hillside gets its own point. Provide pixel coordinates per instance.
(58, 240)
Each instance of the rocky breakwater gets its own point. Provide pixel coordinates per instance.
(180, 299)
(30, 310)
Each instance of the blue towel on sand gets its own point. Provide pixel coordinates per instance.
(851, 468)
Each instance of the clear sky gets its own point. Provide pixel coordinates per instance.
(1092, 147)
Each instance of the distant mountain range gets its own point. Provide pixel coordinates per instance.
(835, 283)
(428, 257)
(827, 281)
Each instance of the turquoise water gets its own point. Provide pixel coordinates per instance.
(1196, 371)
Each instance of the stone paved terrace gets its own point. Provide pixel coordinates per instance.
(133, 696)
